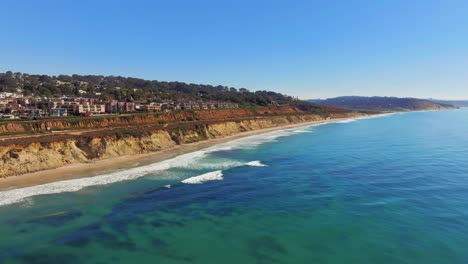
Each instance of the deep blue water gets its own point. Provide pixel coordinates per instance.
(392, 189)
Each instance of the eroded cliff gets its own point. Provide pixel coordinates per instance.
(49, 152)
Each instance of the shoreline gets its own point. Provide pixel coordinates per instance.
(125, 162)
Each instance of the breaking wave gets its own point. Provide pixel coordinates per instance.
(18, 195)
(345, 121)
(210, 176)
(255, 163)
(301, 131)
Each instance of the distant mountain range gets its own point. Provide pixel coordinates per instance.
(382, 103)
(456, 103)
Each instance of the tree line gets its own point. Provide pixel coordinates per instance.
(132, 89)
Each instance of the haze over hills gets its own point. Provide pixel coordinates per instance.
(382, 103)
(456, 103)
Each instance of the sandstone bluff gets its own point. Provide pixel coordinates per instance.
(136, 135)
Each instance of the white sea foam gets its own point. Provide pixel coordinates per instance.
(349, 120)
(376, 116)
(301, 131)
(185, 160)
(216, 164)
(18, 195)
(354, 119)
(249, 142)
(210, 176)
(255, 163)
(346, 121)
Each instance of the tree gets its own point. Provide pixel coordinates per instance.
(44, 78)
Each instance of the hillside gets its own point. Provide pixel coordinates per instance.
(382, 103)
(128, 89)
(456, 103)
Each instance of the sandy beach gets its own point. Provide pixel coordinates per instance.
(99, 167)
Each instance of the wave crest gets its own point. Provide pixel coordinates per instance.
(210, 176)
(255, 163)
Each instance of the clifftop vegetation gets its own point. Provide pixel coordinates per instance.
(133, 89)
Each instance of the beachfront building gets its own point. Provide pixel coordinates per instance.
(203, 105)
(152, 107)
(57, 112)
(190, 105)
(226, 105)
(115, 106)
(10, 95)
(8, 116)
(211, 105)
(33, 112)
(87, 108)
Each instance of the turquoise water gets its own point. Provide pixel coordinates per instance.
(392, 189)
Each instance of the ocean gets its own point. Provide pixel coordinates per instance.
(390, 189)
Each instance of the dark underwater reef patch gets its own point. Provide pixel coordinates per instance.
(83, 236)
(161, 248)
(164, 223)
(50, 258)
(94, 232)
(58, 219)
(264, 249)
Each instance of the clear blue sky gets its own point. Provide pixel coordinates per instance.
(310, 49)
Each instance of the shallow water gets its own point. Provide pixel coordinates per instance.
(391, 189)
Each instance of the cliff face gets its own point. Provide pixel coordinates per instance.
(98, 122)
(16, 159)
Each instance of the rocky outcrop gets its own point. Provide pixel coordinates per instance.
(16, 159)
(11, 128)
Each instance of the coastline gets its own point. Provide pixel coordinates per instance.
(125, 162)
